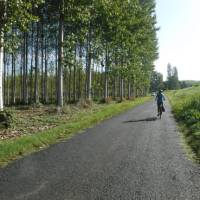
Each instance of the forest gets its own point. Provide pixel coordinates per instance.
(59, 52)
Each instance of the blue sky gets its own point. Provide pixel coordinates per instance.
(179, 37)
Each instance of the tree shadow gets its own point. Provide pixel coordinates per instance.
(149, 119)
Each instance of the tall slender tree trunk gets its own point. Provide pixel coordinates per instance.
(52, 78)
(60, 57)
(132, 93)
(1, 69)
(114, 87)
(31, 72)
(7, 85)
(65, 84)
(79, 83)
(106, 74)
(95, 79)
(115, 77)
(45, 75)
(13, 93)
(118, 85)
(4, 75)
(21, 78)
(36, 93)
(69, 83)
(79, 72)
(25, 70)
(88, 67)
(121, 88)
(121, 83)
(102, 66)
(23, 67)
(56, 71)
(3, 5)
(74, 79)
(42, 63)
(129, 89)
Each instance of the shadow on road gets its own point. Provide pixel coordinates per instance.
(149, 119)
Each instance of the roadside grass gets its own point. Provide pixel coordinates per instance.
(59, 127)
(186, 108)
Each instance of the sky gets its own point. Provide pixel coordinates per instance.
(179, 37)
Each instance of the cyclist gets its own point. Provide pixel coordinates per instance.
(160, 98)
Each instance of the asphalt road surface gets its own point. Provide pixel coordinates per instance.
(131, 156)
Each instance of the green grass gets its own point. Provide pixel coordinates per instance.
(11, 149)
(186, 108)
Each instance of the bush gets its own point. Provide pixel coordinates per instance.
(188, 111)
(186, 108)
(6, 119)
(119, 100)
(84, 103)
(106, 100)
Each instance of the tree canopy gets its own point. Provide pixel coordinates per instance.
(93, 49)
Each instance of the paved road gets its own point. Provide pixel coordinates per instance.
(128, 157)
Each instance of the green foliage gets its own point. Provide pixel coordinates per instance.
(18, 15)
(172, 78)
(116, 38)
(188, 83)
(186, 108)
(156, 81)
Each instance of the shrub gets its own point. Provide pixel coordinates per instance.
(106, 100)
(186, 108)
(84, 103)
(6, 119)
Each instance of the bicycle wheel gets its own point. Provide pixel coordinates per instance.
(160, 111)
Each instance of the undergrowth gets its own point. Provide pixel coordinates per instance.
(186, 108)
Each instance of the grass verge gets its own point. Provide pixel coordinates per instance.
(15, 148)
(186, 108)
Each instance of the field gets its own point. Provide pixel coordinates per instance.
(186, 108)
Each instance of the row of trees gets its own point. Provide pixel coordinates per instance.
(62, 51)
(157, 82)
(172, 82)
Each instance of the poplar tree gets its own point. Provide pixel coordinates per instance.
(99, 49)
(17, 14)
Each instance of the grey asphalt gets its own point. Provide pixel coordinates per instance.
(130, 156)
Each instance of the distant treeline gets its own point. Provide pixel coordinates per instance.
(188, 83)
(172, 82)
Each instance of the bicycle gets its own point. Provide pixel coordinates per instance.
(160, 110)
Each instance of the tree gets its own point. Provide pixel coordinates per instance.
(175, 79)
(94, 50)
(18, 14)
(2, 23)
(156, 81)
(172, 78)
(60, 56)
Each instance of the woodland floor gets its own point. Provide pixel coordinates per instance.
(31, 120)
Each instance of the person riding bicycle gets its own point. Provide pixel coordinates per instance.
(160, 98)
